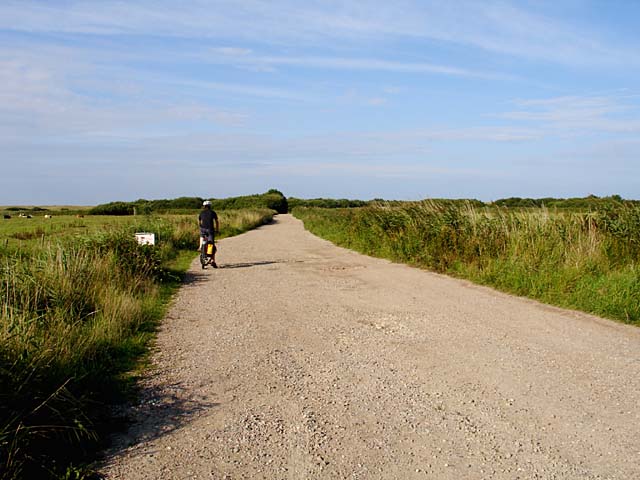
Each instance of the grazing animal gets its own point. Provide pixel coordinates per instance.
(7, 217)
(79, 216)
(48, 216)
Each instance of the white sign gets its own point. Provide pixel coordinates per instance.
(145, 238)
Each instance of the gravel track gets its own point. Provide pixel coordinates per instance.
(298, 359)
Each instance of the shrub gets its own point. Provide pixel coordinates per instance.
(273, 200)
(113, 208)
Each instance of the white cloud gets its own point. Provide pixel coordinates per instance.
(45, 95)
(232, 51)
(613, 113)
(377, 101)
(242, 89)
(487, 134)
(495, 26)
(397, 170)
(341, 63)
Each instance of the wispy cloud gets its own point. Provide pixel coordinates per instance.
(232, 51)
(56, 94)
(241, 89)
(507, 28)
(398, 171)
(370, 64)
(570, 114)
(494, 26)
(343, 63)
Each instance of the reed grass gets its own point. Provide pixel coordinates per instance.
(587, 260)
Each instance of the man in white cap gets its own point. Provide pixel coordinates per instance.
(209, 225)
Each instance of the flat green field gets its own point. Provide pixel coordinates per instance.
(15, 231)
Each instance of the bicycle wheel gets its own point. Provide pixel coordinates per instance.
(203, 255)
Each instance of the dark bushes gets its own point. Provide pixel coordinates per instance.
(273, 200)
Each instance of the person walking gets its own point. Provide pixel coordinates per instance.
(209, 225)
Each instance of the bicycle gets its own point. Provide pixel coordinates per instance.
(207, 252)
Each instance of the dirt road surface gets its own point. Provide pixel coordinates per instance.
(301, 360)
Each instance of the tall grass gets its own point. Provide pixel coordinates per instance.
(76, 315)
(583, 260)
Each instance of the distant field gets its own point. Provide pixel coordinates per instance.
(55, 208)
(23, 232)
(15, 231)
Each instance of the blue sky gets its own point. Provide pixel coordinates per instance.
(113, 100)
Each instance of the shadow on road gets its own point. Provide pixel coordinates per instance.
(247, 264)
(193, 278)
(160, 410)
